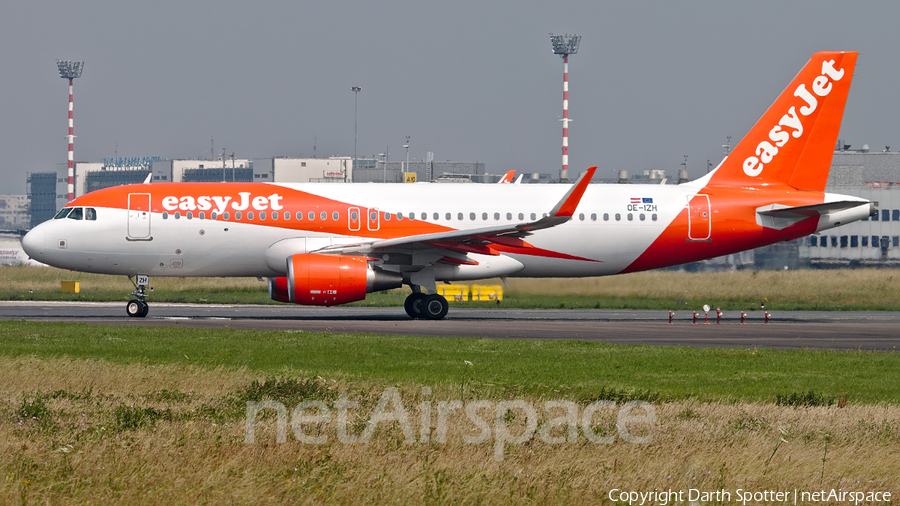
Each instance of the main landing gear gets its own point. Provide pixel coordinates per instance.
(424, 306)
(138, 307)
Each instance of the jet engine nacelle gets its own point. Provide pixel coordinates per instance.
(278, 289)
(327, 280)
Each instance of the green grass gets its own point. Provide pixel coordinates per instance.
(577, 370)
(843, 289)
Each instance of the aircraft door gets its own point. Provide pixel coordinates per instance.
(374, 219)
(353, 217)
(139, 216)
(699, 219)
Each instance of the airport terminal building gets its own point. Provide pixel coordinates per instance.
(871, 242)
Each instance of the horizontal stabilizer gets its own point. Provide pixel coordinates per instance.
(778, 216)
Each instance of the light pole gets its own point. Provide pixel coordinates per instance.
(564, 45)
(384, 159)
(70, 70)
(407, 156)
(355, 90)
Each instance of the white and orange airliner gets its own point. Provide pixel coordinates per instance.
(327, 244)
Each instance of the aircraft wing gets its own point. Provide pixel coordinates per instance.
(479, 240)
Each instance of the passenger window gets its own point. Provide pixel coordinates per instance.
(509, 216)
(459, 216)
(424, 216)
(262, 215)
(62, 213)
(299, 215)
(373, 215)
(484, 216)
(581, 216)
(387, 216)
(90, 213)
(311, 216)
(605, 216)
(472, 216)
(496, 216)
(642, 216)
(436, 216)
(618, 217)
(323, 215)
(178, 215)
(202, 215)
(354, 216)
(76, 214)
(630, 217)
(335, 216)
(533, 216)
(213, 215)
(237, 215)
(447, 216)
(190, 215)
(399, 216)
(226, 215)
(412, 216)
(521, 216)
(274, 215)
(653, 216)
(593, 216)
(165, 215)
(287, 216)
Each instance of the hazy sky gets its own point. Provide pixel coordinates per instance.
(469, 81)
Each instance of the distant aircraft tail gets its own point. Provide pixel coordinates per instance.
(508, 177)
(794, 141)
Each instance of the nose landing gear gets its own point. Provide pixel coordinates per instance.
(138, 307)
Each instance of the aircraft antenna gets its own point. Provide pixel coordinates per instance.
(564, 45)
(70, 70)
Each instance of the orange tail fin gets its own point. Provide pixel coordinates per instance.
(793, 142)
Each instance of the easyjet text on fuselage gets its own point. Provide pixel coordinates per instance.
(221, 203)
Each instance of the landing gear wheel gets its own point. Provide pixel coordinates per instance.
(136, 308)
(434, 307)
(413, 305)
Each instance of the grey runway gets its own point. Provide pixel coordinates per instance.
(787, 330)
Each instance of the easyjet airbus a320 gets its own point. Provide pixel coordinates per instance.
(322, 244)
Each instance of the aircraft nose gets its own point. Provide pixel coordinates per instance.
(33, 243)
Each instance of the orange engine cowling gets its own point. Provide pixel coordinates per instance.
(327, 280)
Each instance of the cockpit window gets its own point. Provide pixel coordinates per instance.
(77, 213)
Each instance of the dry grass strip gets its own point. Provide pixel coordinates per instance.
(80, 445)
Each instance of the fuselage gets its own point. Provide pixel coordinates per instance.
(249, 229)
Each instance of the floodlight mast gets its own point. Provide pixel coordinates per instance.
(564, 45)
(70, 70)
